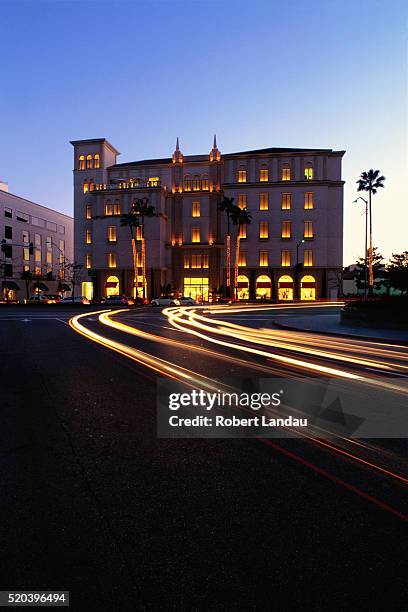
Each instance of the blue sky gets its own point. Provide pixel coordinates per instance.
(259, 74)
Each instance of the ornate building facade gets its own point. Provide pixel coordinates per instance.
(293, 246)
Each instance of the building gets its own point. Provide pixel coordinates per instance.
(295, 197)
(37, 247)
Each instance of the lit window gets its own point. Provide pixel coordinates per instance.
(26, 254)
(48, 242)
(263, 201)
(195, 209)
(286, 229)
(153, 181)
(308, 257)
(309, 204)
(116, 208)
(204, 183)
(263, 229)
(242, 176)
(112, 233)
(138, 232)
(49, 261)
(38, 256)
(285, 259)
(85, 186)
(308, 231)
(286, 173)
(111, 260)
(88, 261)
(88, 237)
(37, 270)
(242, 260)
(286, 201)
(263, 259)
(309, 173)
(243, 230)
(205, 261)
(196, 183)
(26, 237)
(91, 185)
(186, 261)
(81, 162)
(89, 162)
(96, 161)
(263, 175)
(195, 234)
(108, 208)
(88, 211)
(37, 240)
(187, 183)
(242, 201)
(196, 261)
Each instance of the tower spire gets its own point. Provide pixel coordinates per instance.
(215, 154)
(177, 155)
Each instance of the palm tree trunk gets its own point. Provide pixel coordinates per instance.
(134, 251)
(228, 256)
(371, 274)
(144, 268)
(237, 263)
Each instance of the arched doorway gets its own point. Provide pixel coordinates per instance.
(242, 287)
(112, 286)
(285, 287)
(308, 288)
(263, 287)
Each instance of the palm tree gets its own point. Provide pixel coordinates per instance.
(370, 181)
(227, 206)
(239, 217)
(131, 220)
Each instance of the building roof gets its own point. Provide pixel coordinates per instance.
(17, 197)
(95, 141)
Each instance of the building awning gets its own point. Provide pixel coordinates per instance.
(265, 285)
(243, 284)
(112, 284)
(308, 285)
(10, 285)
(285, 285)
(40, 286)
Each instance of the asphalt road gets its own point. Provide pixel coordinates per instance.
(93, 502)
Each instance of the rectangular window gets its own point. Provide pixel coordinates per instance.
(308, 230)
(204, 183)
(26, 237)
(37, 270)
(286, 229)
(37, 240)
(108, 209)
(242, 176)
(263, 201)
(49, 262)
(286, 201)
(308, 257)
(196, 261)
(112, 233)
(8, 269)
(48, 242)
(309, 204)
(263, 259)
(153, 181)
(138, 232)
(26, 268)
(263, 229)
(7, 250)
(22, 217)
(205, 261)
(51, 226)
(186, 261)
(242, 260)
(116, 207)
(62, 246)
(139, 259)
(196, 183)
(308, 173)
(88, 261)
(263, 175)
(8, 231)
(38, 256)
(111, 260)
(26, 254)
(88, 211)
(195, 209)
(8, 212)
(195, 234)
(285, 173)
(88, 236)
(242, 201)
(243, 230)
(285, 259)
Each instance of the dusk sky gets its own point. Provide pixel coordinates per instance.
(325, 74)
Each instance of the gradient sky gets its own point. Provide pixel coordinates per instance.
(259, 73)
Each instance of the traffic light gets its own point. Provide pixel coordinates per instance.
(31, 248)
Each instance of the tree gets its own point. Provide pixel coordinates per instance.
(131, 220)
(379, 274)
(397, 271)
(239, 217)
(370, 181)
(227, 206)
(135, 218)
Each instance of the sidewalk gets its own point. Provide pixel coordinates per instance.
(329, 323)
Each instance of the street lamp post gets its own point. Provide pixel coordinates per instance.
(297, 269)
(366, 234)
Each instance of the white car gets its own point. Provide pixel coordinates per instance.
(187, 301)
(162, 301)
(78, 299)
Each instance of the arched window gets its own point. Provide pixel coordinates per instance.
(285, 287)
(187, 183)
(112, 286)
(286, 176)
(204, 182)
(81, 162)
(196, 183)
(89, 163)
(309, 172)
(242, 287)
(108, 208)
(116, 207)
(85, 186)
(97, 161)
(263, 287)
(308, 288)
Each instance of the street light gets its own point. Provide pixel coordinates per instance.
(297, 268)
(365, 251)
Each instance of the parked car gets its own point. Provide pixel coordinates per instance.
(41, 298)
(164, 301)
(78, 299)
(187, 301)
(53, 298)
(118, 300)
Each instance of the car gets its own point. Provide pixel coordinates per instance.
(53, 298)
(40, 298)
(164, 301)
(187, 301)
(78, 299)
(118, 300)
